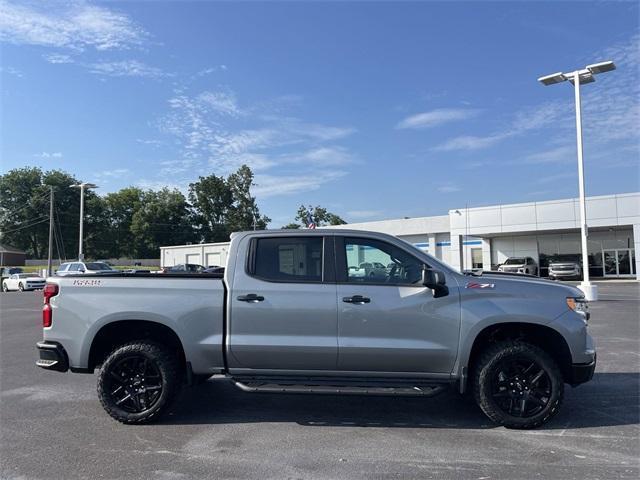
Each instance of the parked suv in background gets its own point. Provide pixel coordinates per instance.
(83, 268)
(184, 268)
(525, 265)
(565, 268)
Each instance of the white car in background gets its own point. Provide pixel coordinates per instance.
(23, 282)
(526, 265)
(84, 268)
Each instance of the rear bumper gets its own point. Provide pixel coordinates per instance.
(581, 372)
(51, 356)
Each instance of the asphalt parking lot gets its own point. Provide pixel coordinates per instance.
(53, 427)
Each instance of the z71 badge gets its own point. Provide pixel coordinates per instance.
(480, 285)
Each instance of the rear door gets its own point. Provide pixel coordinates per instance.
(283, 313)
(387, 320)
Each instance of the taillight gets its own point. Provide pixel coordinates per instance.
(50, 290)
(47, 315)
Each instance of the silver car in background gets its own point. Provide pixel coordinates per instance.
(84, 268)
(525, 265)
(565, 270)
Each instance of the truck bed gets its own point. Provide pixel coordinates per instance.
(192, 305)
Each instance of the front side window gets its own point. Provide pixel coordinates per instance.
(289, 259)
(366, 260)
(74, 267)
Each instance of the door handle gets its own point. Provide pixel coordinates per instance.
(357, 299)
(251, 298)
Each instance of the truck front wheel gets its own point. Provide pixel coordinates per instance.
(138, 382)
(518, 385)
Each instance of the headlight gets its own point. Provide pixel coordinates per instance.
(579, 305)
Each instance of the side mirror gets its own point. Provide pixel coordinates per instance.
(436, 281)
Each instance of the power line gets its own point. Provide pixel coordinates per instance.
(42, 220)
(33, 200)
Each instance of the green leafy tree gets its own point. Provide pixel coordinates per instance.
(163, 218)
(120, 207)
(222, 206)
(23, 206)
(291, 226)
(320, 215)
(211, 199)
(244, 213)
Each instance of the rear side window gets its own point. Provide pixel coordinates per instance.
(288, 259)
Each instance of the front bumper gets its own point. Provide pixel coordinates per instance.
(52, 357)
(581, 372)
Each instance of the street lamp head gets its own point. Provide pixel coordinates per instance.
(552, 79)
(584, 78)
(84, 185)
(601, 67)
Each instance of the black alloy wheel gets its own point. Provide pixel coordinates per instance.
(521, 387)
(139, 381)
(517, 384)
(134, 384)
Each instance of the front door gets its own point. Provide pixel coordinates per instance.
(387, 320)
(283, 312)
(618, 262)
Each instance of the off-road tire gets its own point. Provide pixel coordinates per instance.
(162, 360)
(487, 368)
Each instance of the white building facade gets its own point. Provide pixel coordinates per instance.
(484, 237)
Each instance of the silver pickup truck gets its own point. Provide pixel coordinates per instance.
(288, 316)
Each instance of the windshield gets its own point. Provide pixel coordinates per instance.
(97, 266)
(515, 261)
(27, 275)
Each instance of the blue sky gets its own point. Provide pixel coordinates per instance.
(373, 110)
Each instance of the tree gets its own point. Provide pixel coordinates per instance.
(290, 226)
(163, 218)
(244, 213)
(320, 215)
(119, 209)
(222, 206)
(211, 199)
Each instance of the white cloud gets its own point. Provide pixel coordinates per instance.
(469, 142)
(273, 185)
(221, 102)
(125, 68)
(48, 155)
(364, 214)
(448, 188)
(75, 25)
(554, 155)
(437, 117)
(12, 71)
(58, 58)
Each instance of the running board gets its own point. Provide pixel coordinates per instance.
(340, 388)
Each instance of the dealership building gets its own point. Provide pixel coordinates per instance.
(484, 237)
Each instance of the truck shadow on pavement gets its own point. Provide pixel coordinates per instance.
(611, 399)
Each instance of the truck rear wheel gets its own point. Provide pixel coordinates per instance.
(518, 385)
(138, 382)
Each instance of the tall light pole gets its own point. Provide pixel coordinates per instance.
(578, 77)
(82, 187)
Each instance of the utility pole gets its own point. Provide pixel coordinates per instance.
(50, 231)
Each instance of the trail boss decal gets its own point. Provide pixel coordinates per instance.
(480, 285)
(87, 283)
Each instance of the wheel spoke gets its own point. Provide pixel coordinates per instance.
(536, 400)
(118, 378)
(536, 378)
(523, 404)
(153, 387)
(117, 390)
(123, 399)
